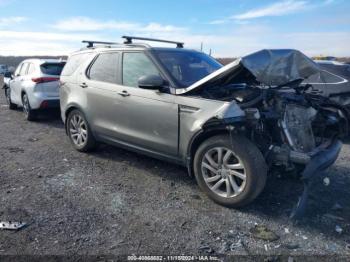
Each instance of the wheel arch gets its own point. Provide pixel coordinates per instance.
(69, 109)
(209, 130)
(23, 92)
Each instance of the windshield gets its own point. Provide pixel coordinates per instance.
(187, 67)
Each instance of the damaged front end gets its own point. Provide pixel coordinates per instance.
(293, 127)
(299, 133)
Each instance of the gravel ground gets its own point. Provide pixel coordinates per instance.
(114, 202)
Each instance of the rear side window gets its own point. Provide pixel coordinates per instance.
(23, 70)
(105, 68)
(73, 63)
(54, 69)
(136, 65)
(31, 69)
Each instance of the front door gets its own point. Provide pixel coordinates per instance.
(149, 117)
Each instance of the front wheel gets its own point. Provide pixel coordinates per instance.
(11, 105)
(79, 132)
(230, 170)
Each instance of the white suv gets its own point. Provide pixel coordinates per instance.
(35, 86)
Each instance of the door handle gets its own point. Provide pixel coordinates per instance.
(124, 93)
(83, 85)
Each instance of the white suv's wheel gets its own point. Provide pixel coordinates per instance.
(28, 111)
(232, 171)
(11, 105)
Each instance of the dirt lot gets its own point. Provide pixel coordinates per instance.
(117, 202)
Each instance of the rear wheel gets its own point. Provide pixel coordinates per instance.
(231, 171)
(28, 111)
(11, 105)
(79, 132)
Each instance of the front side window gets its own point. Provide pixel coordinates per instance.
(136, 65)
(105, 68)
(18, 70)
(187, 67)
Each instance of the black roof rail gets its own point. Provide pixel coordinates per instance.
(128, 40)
(91, 44)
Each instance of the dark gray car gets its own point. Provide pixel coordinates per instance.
(227, 125)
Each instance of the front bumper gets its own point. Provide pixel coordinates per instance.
(321, 160)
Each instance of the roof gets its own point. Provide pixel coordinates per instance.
(98, 49)
(101, 46)
(42, 61)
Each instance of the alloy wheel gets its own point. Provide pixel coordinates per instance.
(223, 172)
(78, 130)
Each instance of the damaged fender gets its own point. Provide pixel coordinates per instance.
(203, 125)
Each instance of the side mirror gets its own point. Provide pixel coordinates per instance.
(151, 82)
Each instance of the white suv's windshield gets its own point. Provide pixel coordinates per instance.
(187, 67)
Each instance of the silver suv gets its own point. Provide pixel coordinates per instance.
(227, 125)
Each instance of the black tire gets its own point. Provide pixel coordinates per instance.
(246, 155)
(89, 142)
(29, 113)
(11, 105)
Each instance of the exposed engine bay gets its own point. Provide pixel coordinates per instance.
(287, 122)
(293, 127)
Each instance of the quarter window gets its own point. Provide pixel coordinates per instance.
(136, 65)
(73, 63)
(105, 68)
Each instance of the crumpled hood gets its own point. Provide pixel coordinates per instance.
(268, 67)
(278, 67)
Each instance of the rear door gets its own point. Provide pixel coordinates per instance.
(100, 85)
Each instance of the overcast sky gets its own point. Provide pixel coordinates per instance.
(229, 27)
